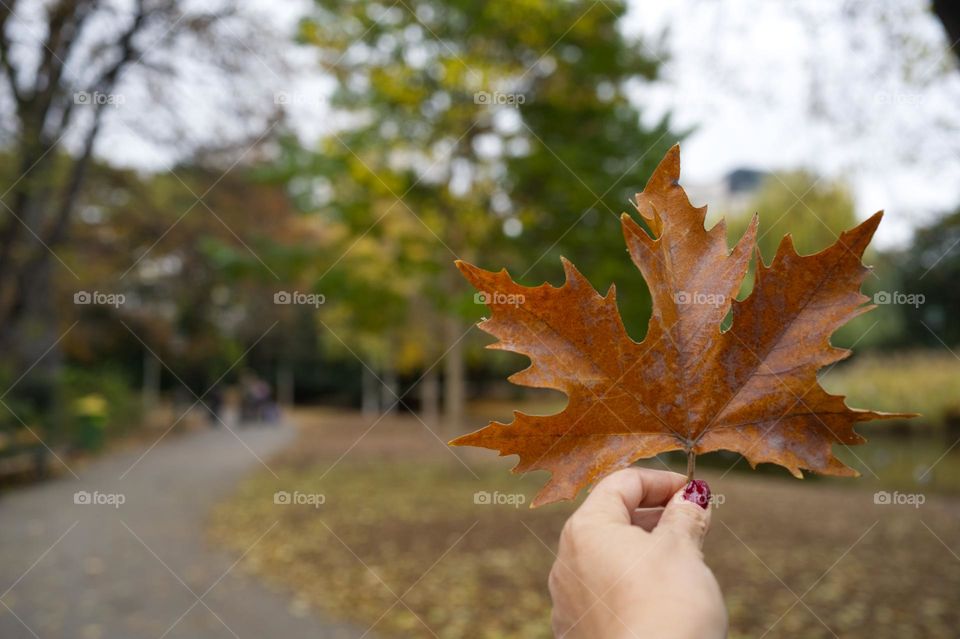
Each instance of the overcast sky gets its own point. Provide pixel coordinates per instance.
(863, 91)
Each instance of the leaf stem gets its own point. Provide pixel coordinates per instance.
(691, 464)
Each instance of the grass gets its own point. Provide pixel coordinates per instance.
(400, 521)
(925, 382)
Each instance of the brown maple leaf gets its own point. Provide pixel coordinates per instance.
(688, 385)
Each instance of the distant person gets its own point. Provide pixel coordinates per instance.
(623, 573)
(256, 404)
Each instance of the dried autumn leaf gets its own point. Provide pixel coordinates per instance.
(688, 385)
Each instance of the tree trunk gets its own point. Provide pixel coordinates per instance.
(389, 390)
(33, 352)
(454, 395)
(285, 383)
(430, 398)
(150, 392)
(369, 397)
(949, 14)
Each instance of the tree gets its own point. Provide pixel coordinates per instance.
(949, 15)
(61, 94)
(197, 288)
(814, 212)
(930, 271)
(480, 131)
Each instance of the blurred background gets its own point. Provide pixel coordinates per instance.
(235, 343)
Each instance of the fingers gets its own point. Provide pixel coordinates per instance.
(616, 496)
(686, 520)
(646, 518)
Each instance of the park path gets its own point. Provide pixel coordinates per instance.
(143, 569)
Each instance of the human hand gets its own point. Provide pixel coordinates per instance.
(623, 573)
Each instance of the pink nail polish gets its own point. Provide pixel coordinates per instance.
(697, 492)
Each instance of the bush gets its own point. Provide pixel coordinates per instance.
(116, 402)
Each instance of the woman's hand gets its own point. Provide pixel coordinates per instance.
(636, 574)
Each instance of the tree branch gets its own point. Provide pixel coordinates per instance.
(6, 10)
(56, 230)
(949, 13)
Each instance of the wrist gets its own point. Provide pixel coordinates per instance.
(661, 620)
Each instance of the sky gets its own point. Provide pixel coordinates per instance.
(863, 92)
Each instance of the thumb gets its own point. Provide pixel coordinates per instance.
(687, 514)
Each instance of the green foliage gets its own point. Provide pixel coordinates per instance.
(122, 407)
(931, 268)
(814, 212)
(811, 210)
(199, 277)
(20, 407)
(484, 131)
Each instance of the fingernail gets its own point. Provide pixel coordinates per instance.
(697, 492)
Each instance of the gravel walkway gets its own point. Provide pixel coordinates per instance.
(142, 568)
